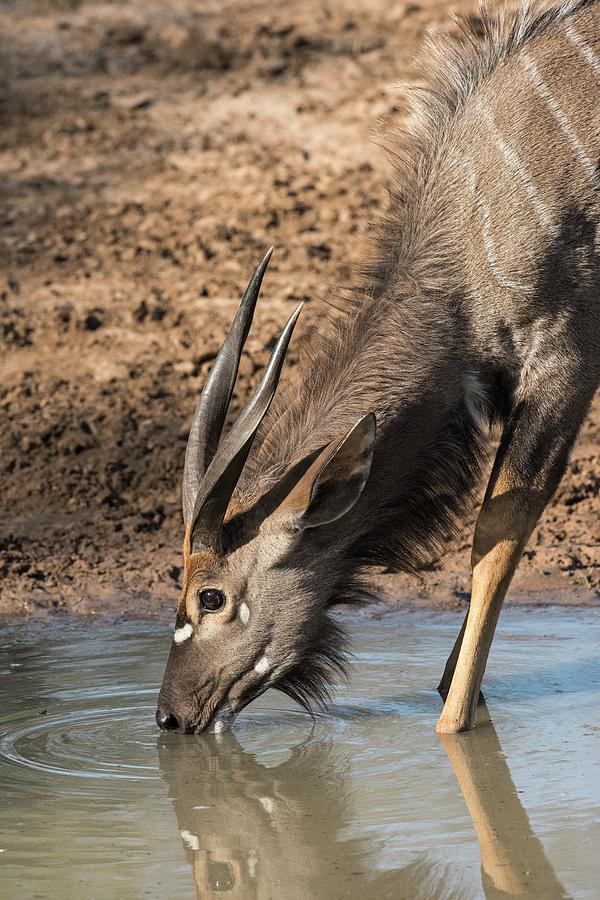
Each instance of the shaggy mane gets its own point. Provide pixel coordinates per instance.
(406, 290)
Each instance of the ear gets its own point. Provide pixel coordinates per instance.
(335, 480)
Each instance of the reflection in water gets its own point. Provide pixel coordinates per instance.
(254, 831)
(513, 861)
(368, 807)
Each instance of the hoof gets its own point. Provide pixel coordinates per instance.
(449, 725)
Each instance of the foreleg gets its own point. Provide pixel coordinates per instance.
(530, 461)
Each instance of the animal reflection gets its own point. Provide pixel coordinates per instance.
(256, 832)
(253, 831)
(513, 861)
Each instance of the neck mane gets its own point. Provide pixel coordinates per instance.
(407, 362)
(403, 350)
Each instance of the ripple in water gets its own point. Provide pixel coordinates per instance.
(106, 742)
(84, 744)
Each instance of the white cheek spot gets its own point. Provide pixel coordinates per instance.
(262, 666)
(183, 633)
(191, 840)
(244, 613)
(220, 726)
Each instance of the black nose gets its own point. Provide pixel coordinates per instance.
(166, 721)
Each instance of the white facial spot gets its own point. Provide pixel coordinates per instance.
(262, 666)
(191, 840)
(220, 726)
(183, 633)
(244, 613)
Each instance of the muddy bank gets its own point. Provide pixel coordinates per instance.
(149, 154)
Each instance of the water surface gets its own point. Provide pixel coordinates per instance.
(365, 802)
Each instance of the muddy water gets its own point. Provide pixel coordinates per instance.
(365, 803)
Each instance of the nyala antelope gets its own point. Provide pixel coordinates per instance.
(481, 304)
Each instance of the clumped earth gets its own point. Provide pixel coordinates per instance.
(149, 154)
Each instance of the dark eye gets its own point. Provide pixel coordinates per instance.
(211, 599)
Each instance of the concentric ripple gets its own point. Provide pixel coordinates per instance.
(85, 744)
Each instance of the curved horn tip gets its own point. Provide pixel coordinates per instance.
(297, 311)
(265, 261)
(288, 328)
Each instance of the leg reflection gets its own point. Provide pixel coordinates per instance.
(513, 861)
(258, 832)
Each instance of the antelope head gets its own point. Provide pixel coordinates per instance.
(258, 578)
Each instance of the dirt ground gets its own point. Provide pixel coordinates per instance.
(150, 152)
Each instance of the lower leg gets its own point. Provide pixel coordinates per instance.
(446, 679)
(531, 459)
(492, 573)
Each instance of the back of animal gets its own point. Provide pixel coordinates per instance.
(515, 191)
(531, 174)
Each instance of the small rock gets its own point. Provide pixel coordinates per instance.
(319, 251)
(126, 31)
(185, 367)
(174, 36)
(134, 101)
(107, 370)
(101, 98)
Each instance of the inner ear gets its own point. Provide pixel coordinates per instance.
(335, 480)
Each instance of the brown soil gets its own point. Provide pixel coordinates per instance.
(149, 154)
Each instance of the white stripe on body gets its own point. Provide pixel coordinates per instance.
(485, 217)
(584, 48)
(513, 162)
(567, 127)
